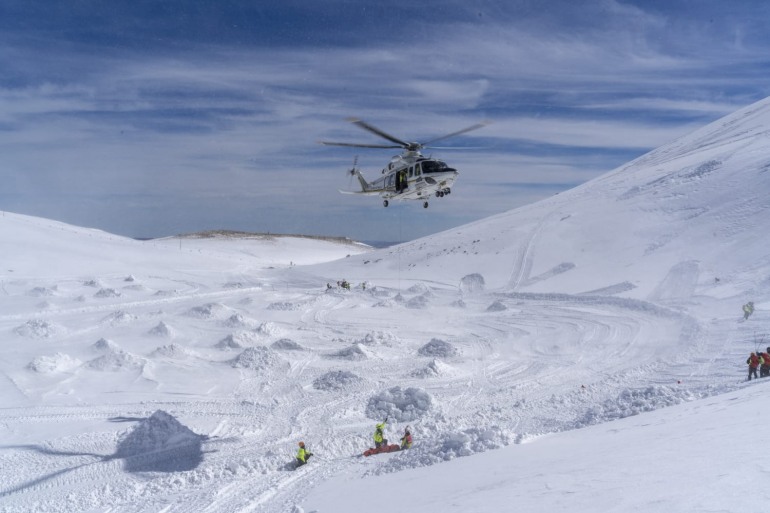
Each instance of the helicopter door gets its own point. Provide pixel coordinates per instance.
(417, 169)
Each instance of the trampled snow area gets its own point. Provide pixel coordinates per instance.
(585, 352)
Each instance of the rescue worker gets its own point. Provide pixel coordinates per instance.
(302, 455)
(379, 434)
(406, 440)
(753, 362)
(748, 309)
(764, 366)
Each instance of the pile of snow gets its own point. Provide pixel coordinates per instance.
(286, 344)
(378, 338)
(236, 340)
(161, 330)
(335, 380)
(633, 402)
(160, 443)
(418, 302)
(43, 291)
(256, 358)
(268, 329)
(237, 321)
(59, 362)
(497, 306)
(38, 328)
(284, 305)
(354, 353)
(472, 284)
(104, 344)
(114, 360)
(434, 369)
(437, 348)
(173, 351)
(206, 311)
(418, 288)
(399, 404)
(118, 318)
(448, 446)
(107, 293)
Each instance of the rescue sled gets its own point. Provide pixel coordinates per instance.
(385, 448)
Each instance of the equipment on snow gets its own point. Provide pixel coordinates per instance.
(384, 448)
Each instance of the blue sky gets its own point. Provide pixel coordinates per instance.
(151, 118)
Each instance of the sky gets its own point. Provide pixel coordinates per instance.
(150, 118)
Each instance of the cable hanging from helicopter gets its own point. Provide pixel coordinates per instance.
(408, 176)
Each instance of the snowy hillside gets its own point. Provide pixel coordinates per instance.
(180, 375)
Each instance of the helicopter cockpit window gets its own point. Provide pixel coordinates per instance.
(434, 166)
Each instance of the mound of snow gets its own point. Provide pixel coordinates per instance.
(634, 401)
(448, 446)
(256, 358)
(353, 353)
(237, 321)
(93, 283)
(459, 304)
(57, 363)
(438, 349)
(418, 288)
(161, 330)
(173, 351)
(38, 328)
(286, 344)
(105, 345)
(335, 380)
(399, 404)
(119, 317)
(472, 284)
(378, 338)
(497, 306)
(284, 305)
(418, 302)
(114, 360)
(107, 293)
(434, 369)
(160, 443)
(268, 329)
(42, 291)
(206, 311)
(235, 340)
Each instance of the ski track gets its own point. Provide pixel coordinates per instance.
(511, 367)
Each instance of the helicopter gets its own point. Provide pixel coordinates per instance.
(408, 176)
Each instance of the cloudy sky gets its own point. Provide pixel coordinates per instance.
(149, 118)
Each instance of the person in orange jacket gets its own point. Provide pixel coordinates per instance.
(754, 362)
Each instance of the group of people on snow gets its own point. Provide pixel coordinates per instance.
(344, 284)
(761, 361)
(303, 454)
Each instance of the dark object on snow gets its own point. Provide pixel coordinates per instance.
(748, 309)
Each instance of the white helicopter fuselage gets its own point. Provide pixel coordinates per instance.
(410, 177)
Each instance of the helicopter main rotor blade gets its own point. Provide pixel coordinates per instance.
(464, 130)
(354, 145)
(377, 131)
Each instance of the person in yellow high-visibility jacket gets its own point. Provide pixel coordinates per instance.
(302, 454)
(379, 434)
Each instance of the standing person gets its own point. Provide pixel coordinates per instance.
(302, 454)
(406, 440)
(764, 365)
(379, 434)
(753, 362)
(748, 309)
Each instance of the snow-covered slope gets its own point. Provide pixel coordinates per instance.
(180, 375)
(687, 218)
